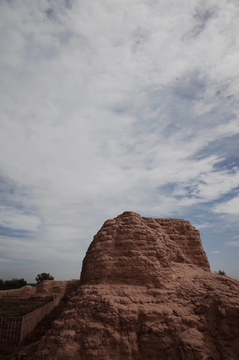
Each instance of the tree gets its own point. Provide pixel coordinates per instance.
(12, 284)
(43, 276)
(2, 284)
(220, 272)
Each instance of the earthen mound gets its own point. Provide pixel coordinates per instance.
(136, 250)
(146, 292)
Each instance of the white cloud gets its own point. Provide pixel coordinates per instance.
(229, 207)
(203, 226)
(215, 252)
(212, 185)
(15, 219)
(93, 120)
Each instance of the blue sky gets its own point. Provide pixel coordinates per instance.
(108, 106)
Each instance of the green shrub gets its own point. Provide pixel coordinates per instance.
(43, 276)
(220, 272)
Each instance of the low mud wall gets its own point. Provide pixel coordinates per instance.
(13, 330)
(30, 321)
(45, 288)
(24, 292)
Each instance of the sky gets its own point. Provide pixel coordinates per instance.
(111, 106)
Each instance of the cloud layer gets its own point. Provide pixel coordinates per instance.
(112, 106)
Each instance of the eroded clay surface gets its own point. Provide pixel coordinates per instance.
(146, 292)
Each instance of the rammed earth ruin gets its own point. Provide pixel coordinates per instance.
(146, 292)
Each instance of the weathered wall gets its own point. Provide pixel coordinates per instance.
(13, 330)
(45, 288)
(30, 321)
(24, 292)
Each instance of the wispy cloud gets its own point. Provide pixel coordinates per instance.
(16, 219)
(232, 243)
(109, 106)
(203, 226)
(229, 207)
